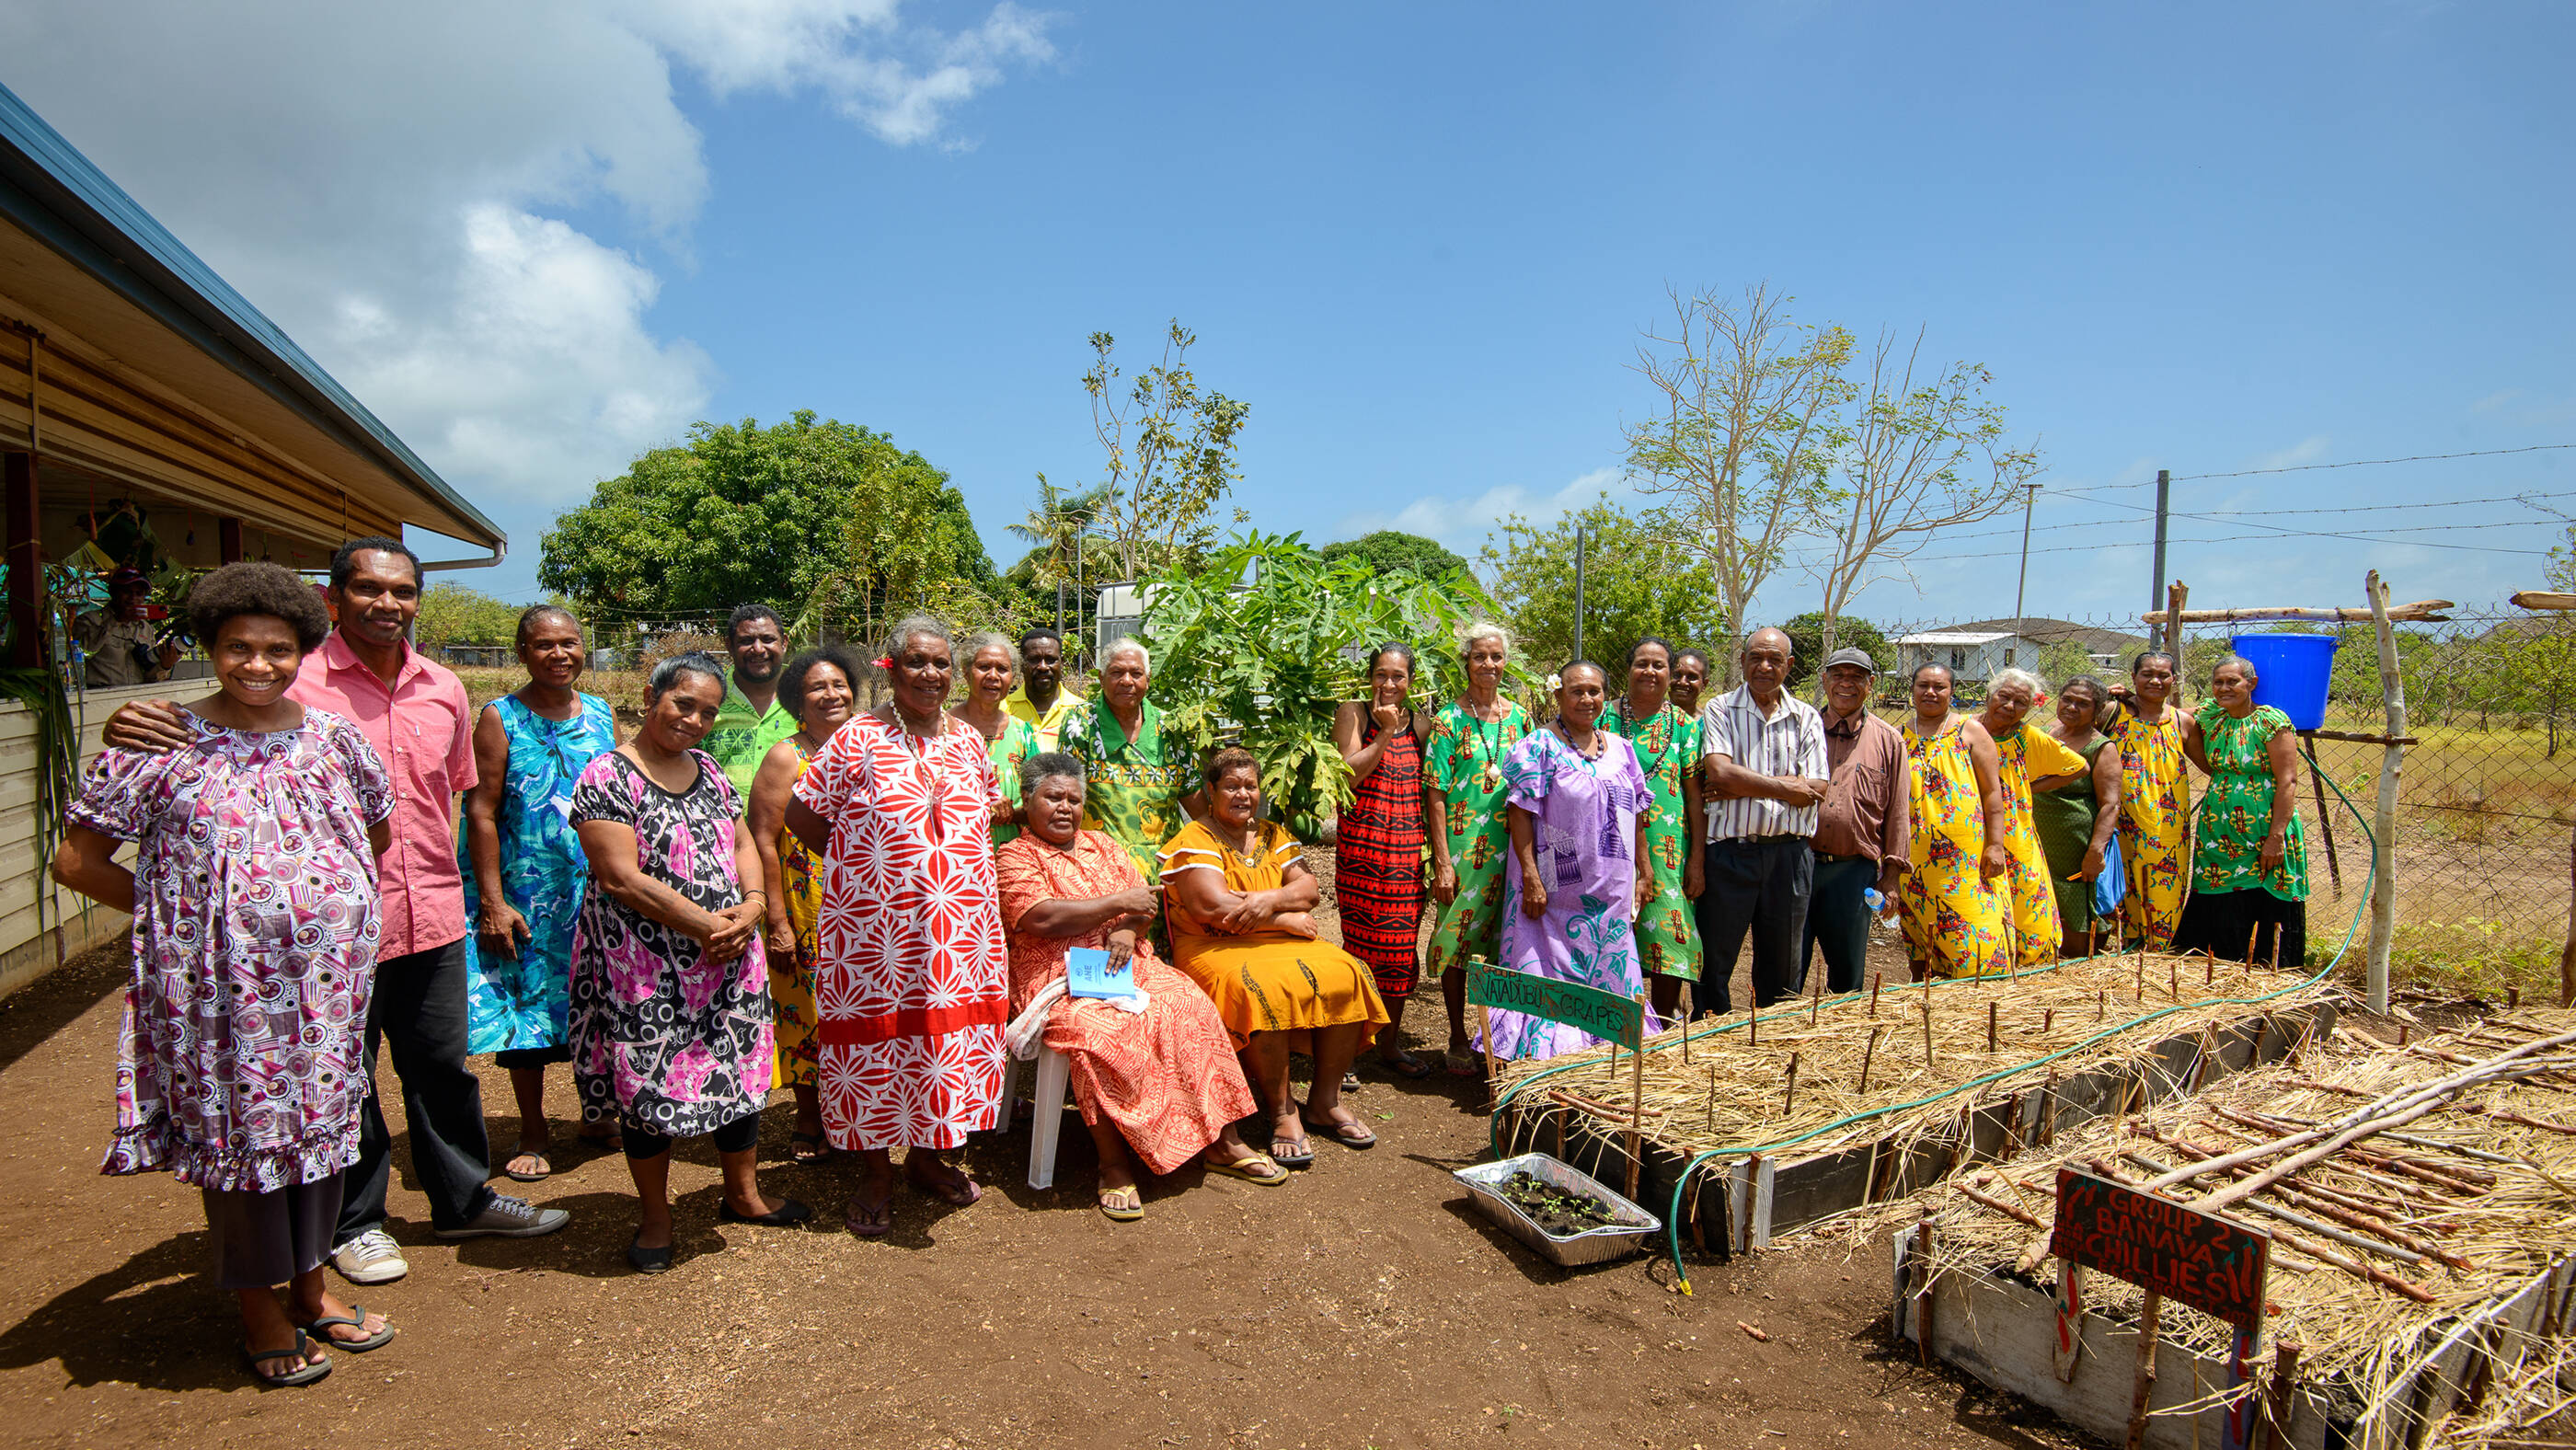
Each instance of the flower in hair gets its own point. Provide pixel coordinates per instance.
(1555, 683)
(885, 662)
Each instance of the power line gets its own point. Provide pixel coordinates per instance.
(2374, 462)
(2277, 513)
(2274, 535)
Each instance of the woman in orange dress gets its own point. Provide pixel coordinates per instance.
(1163, 1082)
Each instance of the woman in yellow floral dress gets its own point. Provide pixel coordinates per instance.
(2027, 760)
(2155, 803)
(1954, 898)
(1668, 750)
(817, 690)
(1469, 831)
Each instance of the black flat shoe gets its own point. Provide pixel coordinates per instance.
(649, 1261)
(788, 1212)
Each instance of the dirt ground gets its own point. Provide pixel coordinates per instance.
(1366, 1303)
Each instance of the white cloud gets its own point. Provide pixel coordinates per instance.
(1461, 524)
(379, 179)
(2306, 450)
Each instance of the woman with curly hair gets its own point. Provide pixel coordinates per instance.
(820, 688)
(254, 881)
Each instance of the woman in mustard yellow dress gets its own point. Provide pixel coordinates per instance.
(2027, 760)
(1954, 898)
(1238, 898)
(2155, 803)
(816, 689)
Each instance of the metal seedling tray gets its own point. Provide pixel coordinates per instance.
(1627, 1234)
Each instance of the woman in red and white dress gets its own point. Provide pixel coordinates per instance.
(914, 982)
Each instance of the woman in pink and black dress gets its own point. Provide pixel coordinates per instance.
(1377, 849)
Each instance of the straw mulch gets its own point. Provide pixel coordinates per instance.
(1728, 1090)
(2409, 1236)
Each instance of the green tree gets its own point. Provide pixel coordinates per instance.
(743, 513)
(1169, 450)
(1637, 582)
(453, 613)
(1269, 662)
(1808, 640)
(1391, 551)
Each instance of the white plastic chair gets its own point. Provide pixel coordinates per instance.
(1046, 1113)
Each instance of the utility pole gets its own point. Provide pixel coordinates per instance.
(1578, 591)
(2156, 585)
(2029, 497)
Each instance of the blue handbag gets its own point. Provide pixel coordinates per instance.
(2112, 886)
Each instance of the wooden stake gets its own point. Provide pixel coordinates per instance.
(2142, 979)
(2383, 886)
(1992, 1025)
(1927, 1032)
(1923, 1289)
(2048, 1109)
(2047, 1020)
(2146, 1381)
(1866, 1053)
(1791, 1101)
(2512, 999)
(1875, 978)
(2068, 1347)
(2102, 1008)
(2285, 1370)
(1636, 1110)
(1816, 1002)
(1493, 1069)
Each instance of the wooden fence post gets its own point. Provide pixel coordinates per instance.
(2392, 756)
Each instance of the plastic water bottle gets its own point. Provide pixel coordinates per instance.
(1871, 895)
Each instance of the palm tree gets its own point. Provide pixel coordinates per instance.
(1056, 529)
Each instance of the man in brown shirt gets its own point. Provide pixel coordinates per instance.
(1863, 826)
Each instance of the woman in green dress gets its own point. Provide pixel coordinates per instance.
(1138, 789)
(1667, 744)
(992, 673)
(2249, 863)
(1470, 833)
(2077, 818)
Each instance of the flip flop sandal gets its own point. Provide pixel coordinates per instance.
(1350, 1082)
(1465, 1064)
(964, 1193)
(1291, 1158)
(1407, 1066)
(807, 1148)
(1122, 1205)
(870, 1220)
(1349, 1135)
(649, 1261)
(545, 1170)
(292, 1379)
(356, 1318)
(1250, 1169)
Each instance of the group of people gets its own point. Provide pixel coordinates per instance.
(769, 886)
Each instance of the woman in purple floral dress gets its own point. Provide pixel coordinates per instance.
(1575, 878)
(670, 988)
(239, 1066)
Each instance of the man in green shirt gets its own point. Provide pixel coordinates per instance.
(1041, 698)
(751, 720)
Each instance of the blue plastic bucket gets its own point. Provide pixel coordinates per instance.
(2291, 672)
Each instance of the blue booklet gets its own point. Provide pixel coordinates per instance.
(1087, 974)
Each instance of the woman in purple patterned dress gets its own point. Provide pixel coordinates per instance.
(670, 989)
(1575, 876)
(239, 1065)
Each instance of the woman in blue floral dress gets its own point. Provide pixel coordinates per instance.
(1575, 874)
(524, 870)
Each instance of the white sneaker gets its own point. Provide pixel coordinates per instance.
(509, 1218)
(370, 1258)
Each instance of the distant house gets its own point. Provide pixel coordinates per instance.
(1977, 651)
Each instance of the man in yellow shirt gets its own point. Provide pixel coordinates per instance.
(1041, 698)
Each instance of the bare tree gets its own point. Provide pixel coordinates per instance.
(1169, 449)
(1917, 457)
(1746, 430)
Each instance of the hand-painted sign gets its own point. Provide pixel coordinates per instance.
(2167, 1248)
(1586, 1009)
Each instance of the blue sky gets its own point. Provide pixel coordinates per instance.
(1419, 241)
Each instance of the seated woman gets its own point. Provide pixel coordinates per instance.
(1237, 895)
(1163, 1081)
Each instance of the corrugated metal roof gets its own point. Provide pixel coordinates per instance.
(49, 188)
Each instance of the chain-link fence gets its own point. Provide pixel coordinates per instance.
(2486, 798)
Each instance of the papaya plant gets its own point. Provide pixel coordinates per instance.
(1260, 643)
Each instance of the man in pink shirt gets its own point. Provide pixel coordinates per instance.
(416, 715)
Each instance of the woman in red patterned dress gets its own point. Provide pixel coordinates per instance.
(1377, 848)
(913, 989)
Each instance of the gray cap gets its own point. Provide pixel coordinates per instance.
(1851, 656)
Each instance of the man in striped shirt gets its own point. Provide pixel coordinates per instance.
(1764, 773)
